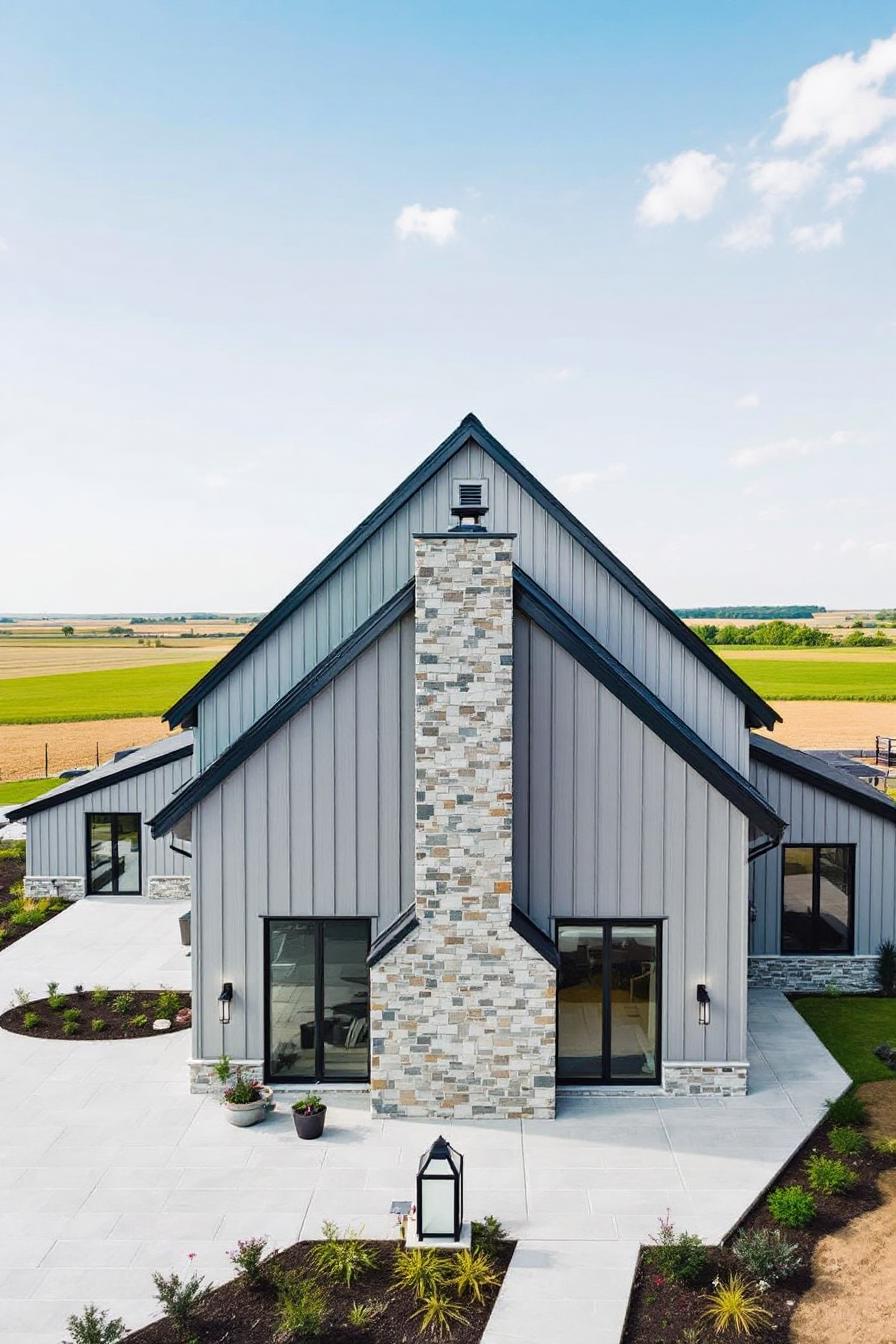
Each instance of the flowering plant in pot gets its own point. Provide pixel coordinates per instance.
(246, 1101)
(309, 1114)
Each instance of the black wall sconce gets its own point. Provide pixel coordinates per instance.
(225, 998)
(703, 1005)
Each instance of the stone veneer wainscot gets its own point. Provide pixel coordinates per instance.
(813, 975)
(57, 888)
(463, 1018)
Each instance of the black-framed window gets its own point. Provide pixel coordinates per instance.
(817, 899)
(113, 854)
(609, 1000)
(317, 1000)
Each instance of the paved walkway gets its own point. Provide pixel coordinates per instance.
(111, 1169)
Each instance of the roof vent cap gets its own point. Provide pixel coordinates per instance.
(469, 503)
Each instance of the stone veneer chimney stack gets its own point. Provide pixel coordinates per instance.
(463, 1009)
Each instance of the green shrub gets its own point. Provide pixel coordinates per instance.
(472, 1272)
(179, 1298)
(301, 1308)
(362, 1314)
(847, 1110)
(27, 912)
(13, 849)
(732, 1306)
(678, 1256)
(421, 1271)
(94, 1326)
(123, 1003)
(222, 1068)
(167, 1003)
(829, 1176)
(71, 1028)
(887, 1147)
(846, 1141)
(249, 1258)
(97, 1024)
(20, 997)
(100, 995)
(139, 1021)
(766, 1254)
(438, 1313)
(55, 1000)
(71, 1015)
(488, 1236)
(30, 1021)
(791, 1205)
(885, 967)
(343, 1258)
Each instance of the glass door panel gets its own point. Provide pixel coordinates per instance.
(127, 858)
(346, 998)
(580, 1002)
(291, 1003)
(633, 1002)
(99, 842)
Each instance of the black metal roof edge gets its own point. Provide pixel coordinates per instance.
(758, 712)
(85, 785)
(799, 764)
(534, 936)
(295, 699)
(556, 622)
(390, 937)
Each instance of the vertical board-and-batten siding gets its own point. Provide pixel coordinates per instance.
(609, 822)
(543, 549)
(318, 821)
(816, 817)
(57, 836)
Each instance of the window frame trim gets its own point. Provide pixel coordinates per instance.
(113, 890)
(814, 950)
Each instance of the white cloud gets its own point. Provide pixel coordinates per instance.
(841, 100)
(750, 234)
(575, 482)
(817, 237)
(779, 180)
(748, 402)
(877, 158)
(438, 225)
(847, 189)
(783, 450)
(685, 187)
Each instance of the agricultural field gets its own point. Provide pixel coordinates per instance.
(25, 746)
(807, 674)
(35, 658)
(23, 790)
(119, 693)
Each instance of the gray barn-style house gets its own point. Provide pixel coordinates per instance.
(472, 817)
(90, 836)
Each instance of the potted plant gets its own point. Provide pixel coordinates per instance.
(246, 1101)
(309, 1114)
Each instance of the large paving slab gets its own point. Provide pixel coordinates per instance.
(110, 1169)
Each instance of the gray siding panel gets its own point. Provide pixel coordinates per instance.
(609, 822)
(57, 837)
(817, 817)
(543, 548)
(318, 821)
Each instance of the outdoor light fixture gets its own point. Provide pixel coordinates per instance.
(440, 1192)
(703, 1003)
(224, 1001)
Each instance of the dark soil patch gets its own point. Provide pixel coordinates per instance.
(118, 1020)
(233, 1314)
(661, 1312)
(12, 871)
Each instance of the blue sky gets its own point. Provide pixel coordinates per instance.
(258, 259)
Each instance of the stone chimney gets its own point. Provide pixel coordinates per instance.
(463, 1009)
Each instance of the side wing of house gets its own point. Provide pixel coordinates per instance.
(824, 900)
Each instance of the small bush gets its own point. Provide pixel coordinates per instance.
(791, 1205)
(362, 1314)
(222, 1068)
(885, 1146)
(71, 1015)
(420, 1271)
(678, 1256)
(30, 1021)
(885, 967)
(167, 1003)
(437, 1313)
(13, 849)
(343, 1258)
(94, 1326)
(71, 1028)
(766, 1254)
(99, 995)
(179, 1298)
(123, 1003)
(829, 1176)
(249, 1258)
(846, 1141)
(488, 1236)
(20, 998)
(55, 1000)
(97, 1024)
(301, 1308)
(29, 911)
(847, 1110)
(733, 1306)
(139, 1021)
(472, 1272)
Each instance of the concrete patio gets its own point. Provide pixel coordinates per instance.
(111, 1169)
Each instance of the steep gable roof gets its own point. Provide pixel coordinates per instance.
(802, 765)
(472, 430)
(153, 757)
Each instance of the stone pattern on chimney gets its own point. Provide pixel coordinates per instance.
(463, 1011)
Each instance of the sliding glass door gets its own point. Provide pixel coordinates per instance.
(317, 1000)
(608, 1002)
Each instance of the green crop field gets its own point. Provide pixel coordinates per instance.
(23, 790)
(123, 693)
(785, 676)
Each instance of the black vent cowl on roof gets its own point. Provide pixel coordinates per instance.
(469, 501)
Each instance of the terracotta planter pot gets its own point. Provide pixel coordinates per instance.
(251, 1111)
(310, 1126)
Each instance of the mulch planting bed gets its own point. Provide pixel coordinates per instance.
(233, 1314)
(117, 1017)
(12, 870)
(662, 1312)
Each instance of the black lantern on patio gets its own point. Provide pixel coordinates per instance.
(440, 1192)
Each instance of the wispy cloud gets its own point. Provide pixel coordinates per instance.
(750, 235)
(879, 158)
(576, 482)
(685, 187)
(438, 225)
(780, 180)
(817, 237)
(790, 449)
(846, 189)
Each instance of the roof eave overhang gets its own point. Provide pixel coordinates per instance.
(816, 779)
(56, 797)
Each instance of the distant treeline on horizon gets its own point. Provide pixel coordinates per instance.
(796, 613)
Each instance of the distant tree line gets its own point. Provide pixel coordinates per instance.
(785, 634)
(796, 613)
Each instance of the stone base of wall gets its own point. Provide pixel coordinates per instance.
(798, 975)
(691, 1079)
(168, 888)
(57, 888)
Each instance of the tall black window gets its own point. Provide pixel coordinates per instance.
(817, 898)
(318, 999)
(113, 853)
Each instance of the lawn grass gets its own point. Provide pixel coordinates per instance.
(23, 790)
(783, 678)
(122, 693)
(851, 1027)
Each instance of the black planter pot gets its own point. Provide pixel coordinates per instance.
(310, 1126)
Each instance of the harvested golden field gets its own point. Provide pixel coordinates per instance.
(833, 723)
(70, 744)
(52, 627)
(40, 658)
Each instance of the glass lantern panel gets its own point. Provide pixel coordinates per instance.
(437, 1208)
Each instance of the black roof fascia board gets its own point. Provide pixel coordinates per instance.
(534, 936)
(55, 798)
(295, 699)
(554, 621)
(396, 933)
(800, 765)
(759, 714)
